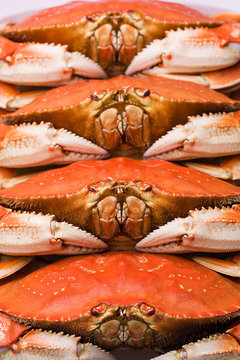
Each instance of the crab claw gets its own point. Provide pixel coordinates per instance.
(212, 135)
(36, 344)
(31, 234)
(43, 64)
(229, 266)
(206, 230)
(225, 346)
(191, 50)
(23, 146)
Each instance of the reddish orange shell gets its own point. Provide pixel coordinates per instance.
(227, 16)
(71, 287)
(168, 177)
(230, 32)
(7, 47)
(72, 95)
(75, 11)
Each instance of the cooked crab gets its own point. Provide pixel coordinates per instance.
(109, 32)
(119, 116)
(120, 201)
(147, 301)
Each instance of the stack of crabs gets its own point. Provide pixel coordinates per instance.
(60, 196)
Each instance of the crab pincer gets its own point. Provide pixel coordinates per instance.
(43, 64)
(191, 50)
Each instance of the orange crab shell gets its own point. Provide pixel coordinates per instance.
(167, 177)
(65, 289)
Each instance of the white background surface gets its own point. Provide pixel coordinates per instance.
(17, 10)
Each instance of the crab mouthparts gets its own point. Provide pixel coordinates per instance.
(127, 125)
(124, 329)
(120, 41)
(115, 333)
(121, 215)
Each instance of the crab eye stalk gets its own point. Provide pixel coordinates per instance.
(98, 95)
(142, 92)
(94, 16)
(99, 310)
(95, 187)
(144, 187)
(146, 310)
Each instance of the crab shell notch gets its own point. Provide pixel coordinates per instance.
(109, 32)
(141, 308)
(120, 201)
(121, 116)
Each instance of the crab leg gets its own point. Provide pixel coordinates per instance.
(9, 265)
(11, 181)
(30, 234)
(229, 168)
(43, 345)
(212, 135)
(34, 145)
(8, 177)
(229, 266)
(225, 346)
(191, 50)
(43, 64)
(11, 99)
(206, 230)
(224, 80)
